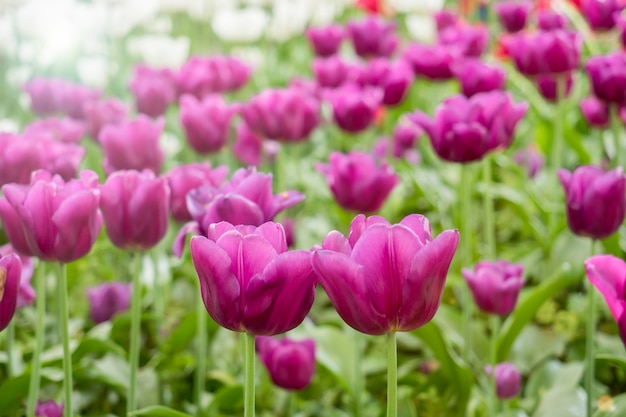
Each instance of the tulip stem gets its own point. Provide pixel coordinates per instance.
(202, 347)
(40, 303)
(490, 229)
(615, 129)
(591, 329)
(392, 375)
(64, 315)
(10, 347)
(466, 250)
(494, 323)
(135, 332)
(557, 139)
(248, 410)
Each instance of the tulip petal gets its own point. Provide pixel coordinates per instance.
(78, 222)
(10, 273)
(608, 274)
(337, 242)
(250, 255)
(179, 241)
(235, 209)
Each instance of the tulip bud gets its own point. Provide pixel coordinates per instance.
(548, 19)
(477, 77)
(495, 285)
(108, 299)
(325, 41)
(513, 14)
(508, 380)
(290, 363)
(206, 123)
(607, 74)
(600, 14)
(434, 62)
(373, 37)
(153, 89)
(354, 108)
(595, 112)
(10, 273)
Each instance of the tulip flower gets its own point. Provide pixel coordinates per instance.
(607, 74)
(64, 130)
(108, 299)
(290, 363)
(445, 19)
(357, 182)
(76, 97)
(354, 108)
(184, 178)
(10, 272)
(25, 292)
(596, 200)
(385, 278)
(539, 53)
(508, 380)
(133, 144)
(325, 41)
(249, 281)
(434, 62)
(393, 78)
(333, 71)
(470, 40)
(548, 86)
(206, 122)
(620, 24)
(101, 113)
(46, 95)
(548, 19)
(201, 76)
(251, 149)
(608, 274)
(372, 37)
(465, 129)
(405, 136)
(495, 286)
(600, 14)
(51, 219)
(595, 112)
(513, 14)
(477, 77)
(135, 207)
(49, 409)
(153, 89)
(531, 159)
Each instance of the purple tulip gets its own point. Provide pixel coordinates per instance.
(393, 78)
(531, 159)
(57, 157)
(108, 299)
(251, 149)
(539, 53)
(596, 200)
(135, 207)
(249, 281)
(465, 129)
(477, 77)
(153, 89)
(470, 40)
(49, 409)
(372, 36)
(101, 113)
(445, 19)
(325, 41)
(288, 115)
(513, 14)
(206, 122)
(64, 130)
(201, 76)
(51, 219)
(46, 95)
(25, 292)
(607, 74)
(620, 24)
(608, 274)
(290, 363)
(354, 108)
(132, 144)
(548, 20)
(184, 178)
(357, 182)
(508, 380)
(385, 278)
(76, 97)
(289, 225)
(10, 273)
(600, 14)
(434, 62)
(495, 285)
(332, 71)
(405, 136)
(19, 158)
(595, 112)
(548, 86)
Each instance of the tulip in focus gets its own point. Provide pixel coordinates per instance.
(10, 273)
(49, 409)
(108, 299)
(206, 122)
(290, 363)
(477, 77)
(249, 281)
(513, 14)
(595, 112)
(508, 380)
(596, 200)
(325, 41)
(153, 89)
(495, 286)
(373, 37)
(385, 277)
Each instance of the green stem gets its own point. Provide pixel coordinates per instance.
(10, 347)
(467, 255)
(557, 145)
(494, 323)
(489, 224)
(62, 294)
(135, 333)
(392, 375)
(202, 348)
(591, 329)
(358, 374)
(616, 125)
(40, 303)
(249, 376)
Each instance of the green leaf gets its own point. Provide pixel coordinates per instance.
(158, 411)
(97, 347)
(13, 393)
(620, 361)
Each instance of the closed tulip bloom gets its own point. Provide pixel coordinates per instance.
(477, 77)
(608, 274)
(63, 130)
(513, 14)
(201, 76)
(153, 89)
(19, 158)
(445, 18)
(132, 144)
(206, 122)
(465, 129)
(405, 136)
(135, 207)
(51, 219)
(596, 200)
(288, 115)
(434, 62)
(290, 363)
(538, 53)
(76, 97)
(385, 278)
(548, 19)
(354, 108)
(548, 86)
(98, 114)
(393, 77)
(600, 14)
(46, 95)
(531, 159)
(10, 273)
(25, 292)
(372, 36)
(108, 299)
(184, 178)
(357, 182)
(49, 409)
(333, 71)
(508, 380)
(249, 281)
(595, 112)
(325, 41)
(607, 74)
(471, 40)
(251, 148)
(495, 285)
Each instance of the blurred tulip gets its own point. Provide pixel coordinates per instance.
(135, 208)
(531, 159)
(470, 40)
(607, 74)
(357, 182)
(508, 380)
(290, 363)
(620, 24)
(206, 122)
(153, 89)
(385, 278)
(393, 78)
(132, 144)
(51, 219)
(101, 113)
(46, 95)
(201, 76)
(251, 149)
(249, 281)
(405, 136)
(325, 41)
(372, 36)
(25, 292)
(76, 97)
(63, 130)
(596, 200)
(540, 53)
(10, 273)
(434, 62)
(548, 19)
(49, 409)
(495, 286)
(595, 112)
(354, 108)
(333, 71)
(108, 299)
(445, 19)
(600, 14)
(477, 77)
(548, 86)
(513, 14)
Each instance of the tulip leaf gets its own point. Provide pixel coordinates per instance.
(619, 361)
(158, 411)
(97, 347)
(529, 303)
(612, 407)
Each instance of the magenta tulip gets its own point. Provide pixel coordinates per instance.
(513, 14)
(540, 53)
(10, 273)
(153, 89)
(64, 130)
(333, 71)
(290, 363)
(607, 74)
(49, 409)
(477, 77)
(470, 40)
(354, 108)
(325, 41)
(108, 299)
(372, 36)
(206, 122)
(495, 286)
(101, 113)
(600, 14)
(548, 19)
(25, 292)
(434, 62)
(531, 159)
(251, 148)
(201, 76)
(595, 112)
(393, 78)
(508, 380)
(548, 86)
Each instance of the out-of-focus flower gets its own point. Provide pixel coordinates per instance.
(201, 76)
(65, 130)
(508, 380)
(531, 159)
(357, 181)
(373, 37)
(385, 278)
(49, 409)
(101, 113)
(333, 71)
(548, 86)
(465, 129)
(596, 200)
(251, 148)
(250, 282)
(51, 219)
(290, 363)
(76, 97)
(432, 61)
(539, 53)
(595, 112)
(108, 299)
(135, 208)
(393, 78)
(354, 108)
(153, 89)
(289, 225)
(600, 14)
(25, 292)
(513, 14)
(607, 74)
(50, 96)
(477, 77)
(206, 122)
(245, 25)
(620, 24)
(132, 144)
(184, 178)
(405, 137)
(445, 19)
(495, 286)
(471, 40)
(325, 41)
(10, 273)
(548, 19)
